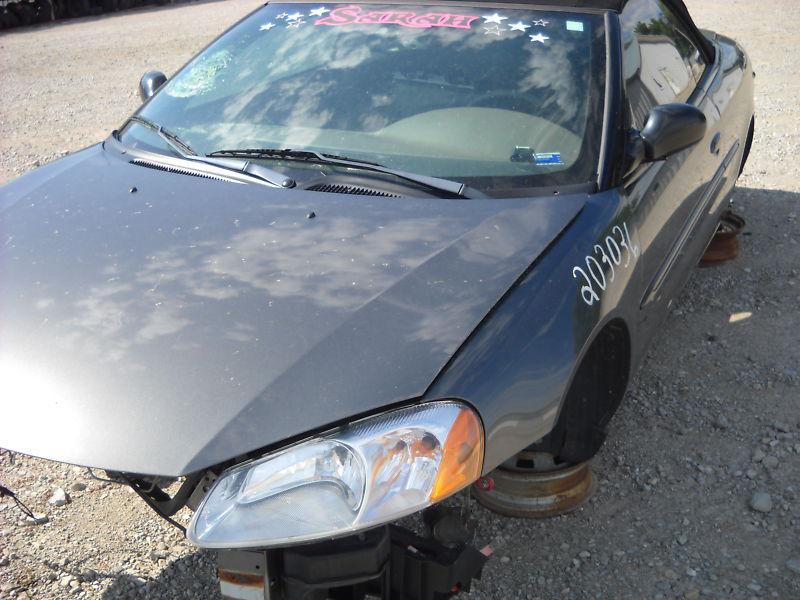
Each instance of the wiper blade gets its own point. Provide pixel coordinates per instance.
(452, 188)
(242, 166)
(172, 139)
(289, 154)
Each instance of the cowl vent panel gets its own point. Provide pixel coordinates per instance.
(139, 162)
(340, 188)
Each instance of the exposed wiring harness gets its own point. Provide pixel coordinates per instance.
(4, 491)
(142, 492)
(103, 479)
(143, 495)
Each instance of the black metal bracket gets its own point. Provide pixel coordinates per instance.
(390, 562)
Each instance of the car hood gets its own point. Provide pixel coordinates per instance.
(164, 330)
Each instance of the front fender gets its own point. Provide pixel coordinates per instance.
(517, 366)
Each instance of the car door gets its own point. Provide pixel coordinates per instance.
(662, 65)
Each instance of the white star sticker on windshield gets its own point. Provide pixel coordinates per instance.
(295, 24)
(493, 30)
(541, 23)
(294, 17)
(283, 15)
(318, 12)
(495, 18)
(518, 26)
(538, 38)
(267, 26)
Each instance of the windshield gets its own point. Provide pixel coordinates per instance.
(501, 99)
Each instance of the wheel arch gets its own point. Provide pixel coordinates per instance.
(748, 144)
(593, 394)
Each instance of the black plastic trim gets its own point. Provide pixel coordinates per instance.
(689, 227)
(389, 562)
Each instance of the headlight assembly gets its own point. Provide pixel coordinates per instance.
(365, 474)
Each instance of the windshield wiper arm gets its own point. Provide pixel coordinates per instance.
(453, 188)
(242, 166)
(174, 142)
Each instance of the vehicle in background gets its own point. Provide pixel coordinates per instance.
(20, 13)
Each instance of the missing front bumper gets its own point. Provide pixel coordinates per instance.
(389, 563)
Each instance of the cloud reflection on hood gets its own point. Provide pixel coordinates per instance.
(337, 264)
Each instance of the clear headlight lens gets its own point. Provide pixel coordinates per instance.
(366, 474)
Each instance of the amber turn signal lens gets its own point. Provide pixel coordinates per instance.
(462, 456)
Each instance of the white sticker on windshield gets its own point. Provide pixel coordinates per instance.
(495, 18)
(493, 30)
(574, 26)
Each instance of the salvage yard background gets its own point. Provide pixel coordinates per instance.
(699, 490)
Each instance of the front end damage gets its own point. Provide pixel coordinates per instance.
(386, 562)
(429, 558)
(313, 520)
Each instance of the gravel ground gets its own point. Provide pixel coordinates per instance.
(699, 491)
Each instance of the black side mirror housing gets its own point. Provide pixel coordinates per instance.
(670, 128)
(150, 82)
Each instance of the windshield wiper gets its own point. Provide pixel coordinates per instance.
(242, 166)
(173, 141)
(452, 188)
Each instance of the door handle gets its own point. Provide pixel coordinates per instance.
(715, 144)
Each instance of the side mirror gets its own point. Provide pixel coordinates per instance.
(150, 82)
(670, 128)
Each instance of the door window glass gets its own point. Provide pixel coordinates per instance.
(661, 64)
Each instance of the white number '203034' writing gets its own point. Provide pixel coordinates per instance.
(616, 247)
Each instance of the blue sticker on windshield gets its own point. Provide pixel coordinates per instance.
(548, 158)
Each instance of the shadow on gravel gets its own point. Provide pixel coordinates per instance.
(782, 205)
(759, 194)
(192, 577)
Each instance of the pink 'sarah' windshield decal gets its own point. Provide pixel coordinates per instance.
(354, 15)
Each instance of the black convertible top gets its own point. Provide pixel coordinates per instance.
(618, 5)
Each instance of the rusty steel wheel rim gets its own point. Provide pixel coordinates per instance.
(724, 246)
(538, 495)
